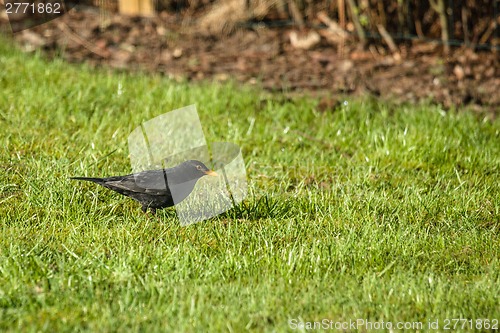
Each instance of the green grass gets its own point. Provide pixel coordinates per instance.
(370, 210)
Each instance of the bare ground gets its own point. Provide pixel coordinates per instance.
(265, 56)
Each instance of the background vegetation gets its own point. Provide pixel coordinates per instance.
(470, 23)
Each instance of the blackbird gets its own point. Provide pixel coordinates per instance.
(154, 188)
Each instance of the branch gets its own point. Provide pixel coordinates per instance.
(439, 7)
(355, 19)
(390, 42)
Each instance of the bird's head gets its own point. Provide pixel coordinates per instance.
(199, 169)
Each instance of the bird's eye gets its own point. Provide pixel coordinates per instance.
(198, 167)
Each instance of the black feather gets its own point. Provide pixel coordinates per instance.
(154, 188)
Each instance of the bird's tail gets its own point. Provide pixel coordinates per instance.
(89, 179)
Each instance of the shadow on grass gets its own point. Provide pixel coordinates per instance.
(261, 208)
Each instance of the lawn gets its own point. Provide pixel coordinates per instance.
(371, 211)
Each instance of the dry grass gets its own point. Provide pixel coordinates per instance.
(226, 14)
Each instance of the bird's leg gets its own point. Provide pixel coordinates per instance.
(153, 211)
(146, 210)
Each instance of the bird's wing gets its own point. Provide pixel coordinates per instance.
(150, 182)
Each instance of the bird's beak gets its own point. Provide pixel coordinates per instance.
(211, 173)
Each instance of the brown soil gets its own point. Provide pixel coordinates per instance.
(267, 57)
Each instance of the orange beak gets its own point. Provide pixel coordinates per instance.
(211, 173)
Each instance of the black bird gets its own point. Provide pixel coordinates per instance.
(154, 188)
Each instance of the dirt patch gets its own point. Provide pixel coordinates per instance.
(256, 55)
